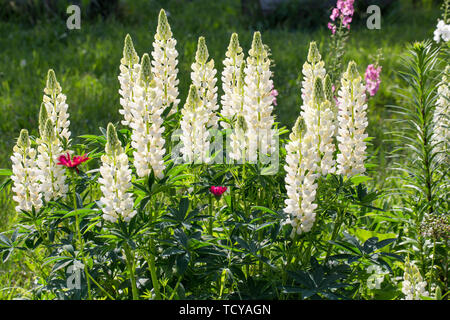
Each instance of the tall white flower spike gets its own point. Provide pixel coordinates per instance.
(301, 165)
(129, 73)
(413, 286)
(51, 176)
(115, 181)
(233, 97)
(165, 65)
(203, 76)
(258, 101)
(195, 136)
(55, 104)
(352, 121)
(146, 123)
(441, 116)
(25, 175)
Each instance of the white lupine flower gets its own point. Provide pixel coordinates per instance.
(233, 97)
(165, 65)
(55, 104)
(258, 101)
(129, 73)
(312, 69)
(25, 175)
(195, 136)
(203, 76)
(352, 123)
(239, 140)
(301, 164)
(442, 32)
(441, 116)
(51, 176)
(146, 124)
(115, 181)
(320, 127)
(413, 286)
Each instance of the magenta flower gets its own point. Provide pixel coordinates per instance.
(274, 94)
(372, 78)
(344, 11)
(72, 163)
(217, 191)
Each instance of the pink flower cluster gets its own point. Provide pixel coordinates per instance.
(344, 10)
(372, 78)
(274, 94)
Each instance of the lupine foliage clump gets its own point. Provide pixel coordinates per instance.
(209, 198)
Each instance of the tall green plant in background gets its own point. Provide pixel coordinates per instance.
(422, 173)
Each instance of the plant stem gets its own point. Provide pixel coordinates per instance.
(130, 262)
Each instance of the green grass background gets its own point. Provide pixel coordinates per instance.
(86, 63)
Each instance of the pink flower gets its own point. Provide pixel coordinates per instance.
(72, 163)
(335, 14)
(332, 27)
(217, 191)
(372, 78)
(274, 94)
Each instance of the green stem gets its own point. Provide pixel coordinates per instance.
(152, 267)
(130, 263)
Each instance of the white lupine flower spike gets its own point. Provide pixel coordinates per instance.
(25, 175)
(258, 101)
(441, 116)
(413, 286)
(232, 99)
(164, 65)
(51, 176)
(146, 123)
(129, 72)
(203, 76)
(55, 104)
(301, 186)
(352, 119)
(195, 136)
(115, 181)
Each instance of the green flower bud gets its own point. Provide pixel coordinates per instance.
(241, 79)
(318, 92)
(299, 126)
(24, 140)
(241, 123)
(130, 56)
(146, 75)
(313, 53)
(49, 130)
(234, 47)
(43, 116)
(163, 31)
(113, 144)
(328, 88)
(201, 56)
(352, 70)
(52, 86)
(193, 98)
(257, 45)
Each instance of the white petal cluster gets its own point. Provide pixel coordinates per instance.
(55, 104)
(317, 110)
(413, 286)
(115, 182)
(25, 175)
(51, 176)
(301, 165)
(352, 120)
(129, 73)
(165, 65)
(442, 32)
(441, 116)
(239, 142)
(233, 96)
(258, 101)
(195, 136)
(203, 76)
(147, 128)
